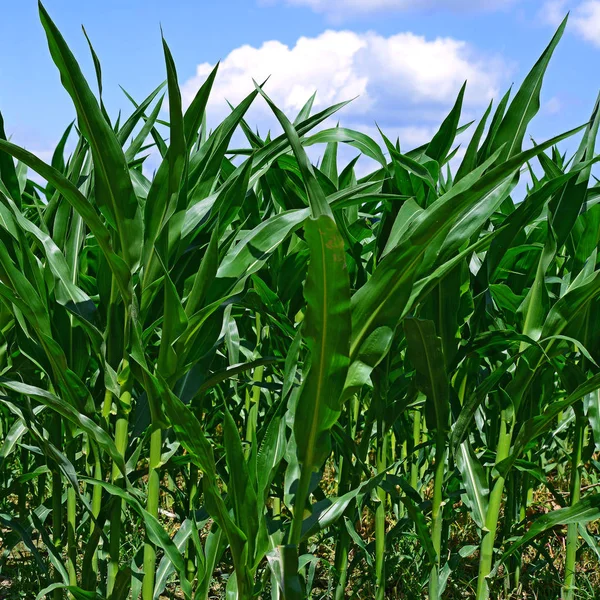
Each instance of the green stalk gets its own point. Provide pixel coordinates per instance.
(527, 485)
(152, 508)
(276, 509)
(276, 516)
(575, 495)
(403, 458)
(96, 499)
(71, 516)
(414, 466)
(252, 400)
(436, 513)
(424, 436)
(299, 504)
(511, 511)
(121, 438)
(382, 448)
(190, 565)
(253, 395)
(22, 502)
(41, 489)
(560, 467)
(106, 407)
(342, 547)
(486, 555)
(56, 434)
(171, 486)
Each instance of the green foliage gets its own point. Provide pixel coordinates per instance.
(249, 376)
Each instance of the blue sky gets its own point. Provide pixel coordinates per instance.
(406, 59)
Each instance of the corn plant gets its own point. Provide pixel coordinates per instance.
(252, 376)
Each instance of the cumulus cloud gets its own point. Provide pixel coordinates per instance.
(405, 81)
(584, 19)
(338, 9)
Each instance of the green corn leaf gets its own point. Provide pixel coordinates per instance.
(251, 252)
(14, 435)
(73, 298)
(525, 104)
(382, 300)
(316, 196)
(356, 139)
(166, 567)
(204, 276)
(329, 163)
(425, 353)
(243, 494)
(269, 455)
(8, 173)
(525, 213)
(566, 205)
(83, 207)
(205, 164)
(372, 352)
(304, 112)
(486, 147)
(584, 511)
(75, 591)
(475, 482)
(327, 331)
(127, 128)
(68, 412)
(195, 113)
(98, 70)
(328, 511)
(58, 158)
(192, 438)
(114, 190)
(140, 138)
(592, 410)
(154, 530)
(442, 141)
(469, 162)
(283, 562)
(534, 427)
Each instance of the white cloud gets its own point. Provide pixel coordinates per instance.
(553, 11)
(405, 82)
(325, 62)
(552, 106)
(340, 9)
(584, 19)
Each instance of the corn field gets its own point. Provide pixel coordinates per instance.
(252, 376)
